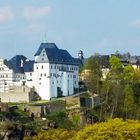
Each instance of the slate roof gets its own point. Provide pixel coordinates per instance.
(45, 45)
(15, 64)
(56, 55)
(28, 66)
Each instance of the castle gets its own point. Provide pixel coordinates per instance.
(53, 72)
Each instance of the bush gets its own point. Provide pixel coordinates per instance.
(54, 134)
(61, 119)
(116, 129)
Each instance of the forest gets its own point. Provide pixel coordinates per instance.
(119, 90)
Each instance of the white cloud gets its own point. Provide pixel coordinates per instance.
(6, 14)
(34, 28)
(36, 12)
(136, 23)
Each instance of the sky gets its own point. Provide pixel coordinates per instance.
(93, 26)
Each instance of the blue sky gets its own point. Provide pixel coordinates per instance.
(94, 26)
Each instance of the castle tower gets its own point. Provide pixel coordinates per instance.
(80, 55)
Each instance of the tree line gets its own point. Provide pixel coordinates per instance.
(119, 90)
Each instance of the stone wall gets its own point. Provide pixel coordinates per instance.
(44, 109)
(17, 94)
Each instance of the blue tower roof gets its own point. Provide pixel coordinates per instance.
(56, 55)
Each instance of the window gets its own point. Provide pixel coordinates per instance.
(51, 67)
(41, 74)
(30, 74)
(41, 67)
(45, 74)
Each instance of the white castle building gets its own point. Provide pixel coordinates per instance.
(55, 72)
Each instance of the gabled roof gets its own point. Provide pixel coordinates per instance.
(16, 63)
(56, 55)
(45, 45)
(28, 66)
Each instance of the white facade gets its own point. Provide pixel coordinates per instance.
(6, 76)
(54, 79)
(18, 77)
(42, 79)
(50, 80)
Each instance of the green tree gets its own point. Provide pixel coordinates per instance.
(112, 88)
(93, 81)
(128, 74)
(128, 101)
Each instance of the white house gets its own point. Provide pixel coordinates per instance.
(55, 72)
(22, 70)
(6, 76)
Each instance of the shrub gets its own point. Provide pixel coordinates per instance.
(116, 129)
(54, 134)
